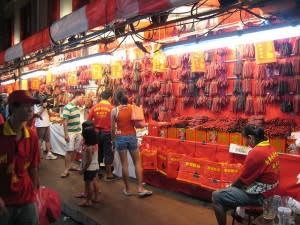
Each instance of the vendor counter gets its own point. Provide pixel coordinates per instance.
(57, 138)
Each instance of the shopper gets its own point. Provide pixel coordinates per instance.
(100, 114)
(19, 161)
(90, 166)
(259, 174)
(42, 124)
(124, 139)
(72, 129)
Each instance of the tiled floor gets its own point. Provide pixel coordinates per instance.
(163, 208)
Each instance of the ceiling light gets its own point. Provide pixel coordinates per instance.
(254, 35)
(32, 74)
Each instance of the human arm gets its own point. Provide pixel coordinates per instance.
(113, 126)
(88, 159)
(66, 134)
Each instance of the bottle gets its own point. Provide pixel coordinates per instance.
(284, 214)
(268, 209)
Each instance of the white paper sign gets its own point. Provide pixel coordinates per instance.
(239, 149)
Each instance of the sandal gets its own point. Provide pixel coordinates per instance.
(127, 193)
(64, 175)
(144, 193)
(80, 195)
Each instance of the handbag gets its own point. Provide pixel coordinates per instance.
(137, 116)
(137, 113)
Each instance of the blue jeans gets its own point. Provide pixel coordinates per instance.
(126, 143)
(21, 215)
(232, 197)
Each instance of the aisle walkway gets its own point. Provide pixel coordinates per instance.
(163, 208)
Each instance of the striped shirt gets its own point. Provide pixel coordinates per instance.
(72, 114)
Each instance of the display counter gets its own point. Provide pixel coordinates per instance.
(57, 138)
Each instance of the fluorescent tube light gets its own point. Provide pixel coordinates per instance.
(257, 34)
(32, 74)
(11, 81)
(92, 59)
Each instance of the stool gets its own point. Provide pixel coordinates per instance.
(251, 211)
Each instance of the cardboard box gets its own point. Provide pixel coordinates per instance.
(190, 134)
(223, 138)
(172, 132)
(201, 135)
(236, 138)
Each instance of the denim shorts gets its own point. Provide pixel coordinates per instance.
(126, 143)
(232, 197)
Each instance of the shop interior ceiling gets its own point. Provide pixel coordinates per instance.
(270, 10)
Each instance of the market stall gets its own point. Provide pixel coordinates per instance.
(199, 78)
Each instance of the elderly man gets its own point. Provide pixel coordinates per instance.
(19, 161)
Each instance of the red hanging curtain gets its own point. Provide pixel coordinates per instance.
(76, 4)
(53, 11)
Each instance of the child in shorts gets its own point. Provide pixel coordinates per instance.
(90, 166)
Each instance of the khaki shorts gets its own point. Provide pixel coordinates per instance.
(74, 143)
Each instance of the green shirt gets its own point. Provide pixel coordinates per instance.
(72, 114)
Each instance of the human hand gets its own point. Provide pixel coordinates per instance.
(67, 138)
(3, 209)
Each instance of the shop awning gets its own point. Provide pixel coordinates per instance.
(97, 13)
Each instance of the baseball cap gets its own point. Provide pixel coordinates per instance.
(21, 96)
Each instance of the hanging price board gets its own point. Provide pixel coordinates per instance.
(265, 52)
(72, 79)
(24, 84)
(117, 69)
(35, 83)
(159, 62)
(197, 62)
(97, 71)
(49, 77)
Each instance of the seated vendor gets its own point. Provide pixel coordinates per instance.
(259, 174)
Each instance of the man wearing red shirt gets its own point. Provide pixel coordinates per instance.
(100, 114)
(259, 175)
(19, 161)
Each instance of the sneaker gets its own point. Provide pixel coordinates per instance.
(50, 156)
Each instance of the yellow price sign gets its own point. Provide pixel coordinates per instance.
(265, 52)
(35, 84)
(97, 71)
(198, 62)
(49, 77)
(72, 79)
(24, 85)
(117, 69)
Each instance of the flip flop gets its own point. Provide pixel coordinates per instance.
(64, 175)
(127, 193)
(80, 195)
(144, 193)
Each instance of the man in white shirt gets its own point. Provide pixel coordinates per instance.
(42, 124)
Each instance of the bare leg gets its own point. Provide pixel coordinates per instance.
(89, 194)
(96, 189)
(125, 173)
(138, 169)
(48, 146)
(108, 171)
(68, 160)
